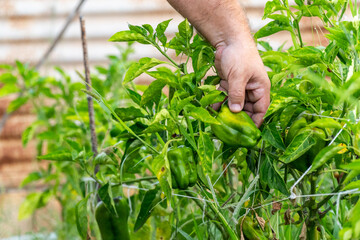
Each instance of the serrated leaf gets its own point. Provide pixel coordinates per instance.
(299, 145)
(272, 136)
(140, 67)
(57, 156)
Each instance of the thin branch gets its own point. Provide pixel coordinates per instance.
(69, 19)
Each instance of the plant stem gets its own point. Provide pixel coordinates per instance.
(207, 214)
(311, 224)
(150, 178)
(165, 54)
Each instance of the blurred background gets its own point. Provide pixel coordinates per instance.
(27, 30)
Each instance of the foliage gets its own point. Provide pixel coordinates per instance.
(300, 180)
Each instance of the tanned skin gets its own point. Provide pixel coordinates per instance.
(224, 24)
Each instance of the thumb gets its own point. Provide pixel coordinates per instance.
(236, 94)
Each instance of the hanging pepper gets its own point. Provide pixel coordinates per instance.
(236, 129)
(111, 226)
(183, 167)
(249, 230)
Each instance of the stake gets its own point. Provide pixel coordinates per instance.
(90, 102)
(89, 98)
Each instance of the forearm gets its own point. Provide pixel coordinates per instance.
(219, 21)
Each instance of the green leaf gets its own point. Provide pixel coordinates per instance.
(278, 103)
(353, 185)
(148, 204)
(105, 194)
(127, 36)
(179, 105)
(155, 127)
(8, 89)
(161, 168)
(212, 97)
(134, 96)
(355, 165)
(149, 28)
(27, 135)
(273, 6)
(201, 114)
(28, 207)
(73, 144)
(153, 93)
(140, 67)
(160, 31)
(185, 30)
(162, 115)
(202, 56)
(166, 75)
(129, 113)
(32, 177)
(206, 153)
(57, 156)
(281, 23)
(272, 136)
(287, 114)
(269, 175)
(8, 78)
(81, 215)
(16, 104)
(299, 145)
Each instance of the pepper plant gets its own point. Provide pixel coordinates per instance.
(186, 171)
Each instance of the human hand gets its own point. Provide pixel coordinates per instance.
(244, 78)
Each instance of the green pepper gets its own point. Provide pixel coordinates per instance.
(111, 226)
(246, 226)
(294, 129)
(182, 166)
(236, 129)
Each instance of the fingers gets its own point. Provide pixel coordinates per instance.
(216, 106)
(236, 92)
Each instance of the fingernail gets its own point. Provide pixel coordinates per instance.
(235, 107)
